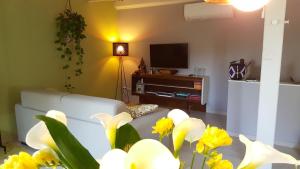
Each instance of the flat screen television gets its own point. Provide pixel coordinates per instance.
(169, 55)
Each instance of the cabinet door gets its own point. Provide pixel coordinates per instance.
(242, 108)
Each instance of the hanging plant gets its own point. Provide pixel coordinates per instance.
(70, 33)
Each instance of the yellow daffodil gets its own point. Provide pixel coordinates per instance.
(46, 157)
(21, 161)
(213, 138)
(216, 162)
(112, 123)
(214, 159)
(186, 128)
(145, 154)
(259, 154)
(200, 147)
(223, 164)
(163, 127)
(39, 137)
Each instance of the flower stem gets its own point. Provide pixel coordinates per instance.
(203, 163)
(160, 138)
(181, 165)
(193, 159)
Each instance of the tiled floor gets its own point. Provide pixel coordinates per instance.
(14, 148)
(233, 153)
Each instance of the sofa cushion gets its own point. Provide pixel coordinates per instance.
(141, 110)
(42, 100)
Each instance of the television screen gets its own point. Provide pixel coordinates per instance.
(169, 55)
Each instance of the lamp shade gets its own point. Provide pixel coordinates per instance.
(120, 49)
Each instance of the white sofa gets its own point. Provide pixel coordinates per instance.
(79, 109)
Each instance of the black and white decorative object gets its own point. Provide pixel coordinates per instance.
(237, 70)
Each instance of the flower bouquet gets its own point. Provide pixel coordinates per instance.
(56, 146)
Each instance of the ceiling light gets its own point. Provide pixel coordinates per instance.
(242, 5)
(249, 5)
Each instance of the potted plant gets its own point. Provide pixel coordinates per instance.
(70, 33)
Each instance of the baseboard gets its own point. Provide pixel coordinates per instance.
(218, 113)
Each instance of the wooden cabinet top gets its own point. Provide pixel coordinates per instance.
(168, 77)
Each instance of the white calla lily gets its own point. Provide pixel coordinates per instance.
(114, 159)
(145, 154)
(259, 154)
(186, 128)
(38, 137)
(190, 129)
(177, 116)
(112, 123)
(46, 157)
(150, 154)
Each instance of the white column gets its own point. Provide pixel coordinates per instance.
(270, 72)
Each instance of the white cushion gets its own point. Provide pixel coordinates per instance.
(141, 110)
(43, 100)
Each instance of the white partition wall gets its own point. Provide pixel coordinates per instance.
(270, 73)
(242, 112)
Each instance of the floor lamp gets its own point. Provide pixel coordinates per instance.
(121, 49)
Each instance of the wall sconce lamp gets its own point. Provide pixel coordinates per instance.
(121, 49)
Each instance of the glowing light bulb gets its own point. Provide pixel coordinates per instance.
(249, 5)
(120, 50)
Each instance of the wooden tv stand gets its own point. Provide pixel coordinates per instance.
(156, 83)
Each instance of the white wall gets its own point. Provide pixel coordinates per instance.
(213, 44)
(291, 50)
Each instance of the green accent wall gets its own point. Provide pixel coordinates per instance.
(28, 56)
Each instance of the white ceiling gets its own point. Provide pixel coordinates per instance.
(132, 4)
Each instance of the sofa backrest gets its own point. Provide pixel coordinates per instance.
(83, 107)
(74, 105)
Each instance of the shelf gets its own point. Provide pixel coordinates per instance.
(170, 84)
(178, 87)
(172, 98)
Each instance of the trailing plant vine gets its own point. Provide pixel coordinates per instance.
(70, 33)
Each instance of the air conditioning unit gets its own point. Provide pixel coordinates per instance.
(205, 11)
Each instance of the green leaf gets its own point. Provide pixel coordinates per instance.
(75, 156)
(126, 136)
